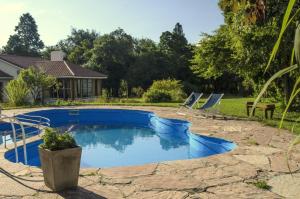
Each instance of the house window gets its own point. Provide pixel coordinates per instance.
(79, 92)
(90, 87)
(86, 87)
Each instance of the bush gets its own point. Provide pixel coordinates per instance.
(165, 91)
(36, 81)
(157, 96)
(137, 91)
(54, 140)
(123, 90)
(16, 92)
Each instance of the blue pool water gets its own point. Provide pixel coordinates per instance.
(112, 138)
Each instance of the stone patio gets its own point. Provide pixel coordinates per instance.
(260, 156)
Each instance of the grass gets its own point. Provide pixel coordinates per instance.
(230, 106)
(262, 185)
(237, 107)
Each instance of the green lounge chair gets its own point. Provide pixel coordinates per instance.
(212, 101)
(190, 102)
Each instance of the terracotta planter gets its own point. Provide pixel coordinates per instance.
(60, 168)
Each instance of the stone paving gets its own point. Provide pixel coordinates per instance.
(259, 157)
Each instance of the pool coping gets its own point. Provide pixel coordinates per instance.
(257, 158)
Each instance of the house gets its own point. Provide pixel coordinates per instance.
(75, 81)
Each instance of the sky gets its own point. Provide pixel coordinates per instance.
(140, 18)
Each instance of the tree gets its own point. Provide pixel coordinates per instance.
(177, 53)
(241, 46)
(147, 57)
(26, 41)
(77, 46)
(112, 54)
(36, 81)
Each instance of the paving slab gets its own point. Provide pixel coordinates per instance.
(286, 185)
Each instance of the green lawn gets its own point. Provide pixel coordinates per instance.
(231, 106)
(237, 107)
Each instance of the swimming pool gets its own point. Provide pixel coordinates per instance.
(111, 137)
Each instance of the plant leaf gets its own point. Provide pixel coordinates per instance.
(292, 57)
(296, 92)
(297, 44)
(286, 22)
(275, 76)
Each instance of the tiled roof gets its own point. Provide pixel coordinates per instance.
(5, 75)
(54, 68)
(59, 69)
(21, 61)
(79, 71)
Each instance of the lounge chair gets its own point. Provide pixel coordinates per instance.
(190, 102)
(213, 100)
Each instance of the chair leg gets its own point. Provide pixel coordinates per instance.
(179, 111)
(272, 113)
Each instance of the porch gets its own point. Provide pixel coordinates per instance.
(77, 88)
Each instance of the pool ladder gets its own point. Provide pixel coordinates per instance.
(25, 122)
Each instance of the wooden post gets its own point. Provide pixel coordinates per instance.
(71, 81)
(99, 85)
(93, 87)
(64, 88)
(75, 88)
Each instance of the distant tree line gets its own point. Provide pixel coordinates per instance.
(231, 60)
(138, 62)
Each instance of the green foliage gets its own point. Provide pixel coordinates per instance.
(262, 185)
(165, 91)
(36, 81)
(156, 96)
(211, 53)
(26, 41)
(16, 92)
(112, 54)
(54, 140)
(177, 53)
(123, 91)
(137, 91)
(239, 47)
(149, 63)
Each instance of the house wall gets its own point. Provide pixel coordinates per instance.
(3, 97)
(9, 68)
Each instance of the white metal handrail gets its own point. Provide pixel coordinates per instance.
(21, 120)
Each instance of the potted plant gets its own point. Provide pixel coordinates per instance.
(60, 160)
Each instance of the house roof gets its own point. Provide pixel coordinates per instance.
(20, 61)
(63, 69)
(58, 69)
(4, 75)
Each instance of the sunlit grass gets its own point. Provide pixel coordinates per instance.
(230, 106)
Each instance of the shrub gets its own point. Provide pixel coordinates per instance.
(54, 140)
(165, 91)
(123, 90)
(16, 92)
(36, 81)
(137, 91)
(157, 96)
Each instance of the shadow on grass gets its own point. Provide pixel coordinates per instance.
(78, 192)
